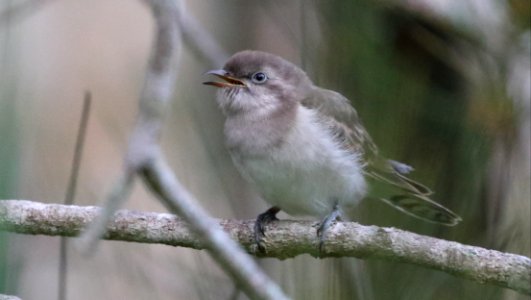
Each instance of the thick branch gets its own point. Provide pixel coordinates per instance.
(285, 239)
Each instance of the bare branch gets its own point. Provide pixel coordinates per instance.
(71, 192)
(244, 270)
(285, 239)
(87, 242)
(144, 158)
(200, 41)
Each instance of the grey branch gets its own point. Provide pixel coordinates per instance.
(144, 158)
(285, 239)
(240, 266)
(200, 41)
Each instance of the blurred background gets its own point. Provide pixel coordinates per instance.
(441, 85)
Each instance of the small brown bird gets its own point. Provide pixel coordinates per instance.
(304, 148)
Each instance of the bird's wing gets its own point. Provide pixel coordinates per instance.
(342, 119)
(407, 195)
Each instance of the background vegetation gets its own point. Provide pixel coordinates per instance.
(441, 85)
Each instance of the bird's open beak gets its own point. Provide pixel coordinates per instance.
(229, 81)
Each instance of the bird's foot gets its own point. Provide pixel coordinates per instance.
(335, 215)
(259, 226)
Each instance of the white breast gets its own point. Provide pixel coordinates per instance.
(308, 173)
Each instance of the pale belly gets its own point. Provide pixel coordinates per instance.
(307, 174)
(305, 189)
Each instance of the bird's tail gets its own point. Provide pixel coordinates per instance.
(409, 196)
(423, 208)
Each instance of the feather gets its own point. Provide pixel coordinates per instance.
(408, 196)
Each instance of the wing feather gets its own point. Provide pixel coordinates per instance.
(409, 196)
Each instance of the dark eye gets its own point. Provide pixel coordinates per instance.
(259, 77)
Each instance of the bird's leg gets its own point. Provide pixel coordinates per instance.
(335, 215)
(261, 221)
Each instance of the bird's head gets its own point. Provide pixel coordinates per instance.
(255, 81)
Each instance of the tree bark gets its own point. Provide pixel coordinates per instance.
(284, 239)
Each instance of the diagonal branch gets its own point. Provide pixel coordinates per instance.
(285, 239)
(200, 41)
(144, 158)
(243, 269)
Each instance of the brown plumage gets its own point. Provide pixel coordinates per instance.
(411, 196)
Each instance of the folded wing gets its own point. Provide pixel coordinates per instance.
(405, 194)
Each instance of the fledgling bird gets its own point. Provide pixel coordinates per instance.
(304, 148)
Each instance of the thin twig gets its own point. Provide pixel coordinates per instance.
(71, 191)
(88, 241)
(285, 239)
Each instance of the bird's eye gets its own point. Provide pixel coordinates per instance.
(259, 77)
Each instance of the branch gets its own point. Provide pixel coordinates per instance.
(144, 158)
(200, 41)
(243, 269)
(285, 239)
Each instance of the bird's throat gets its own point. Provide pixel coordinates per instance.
(256, 134)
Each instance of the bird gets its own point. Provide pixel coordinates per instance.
(304, 148)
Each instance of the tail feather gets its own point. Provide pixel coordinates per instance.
(423, 208)
(402, 182)
(411, 196)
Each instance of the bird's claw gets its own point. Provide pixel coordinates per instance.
(327, 222)
(259, 226)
